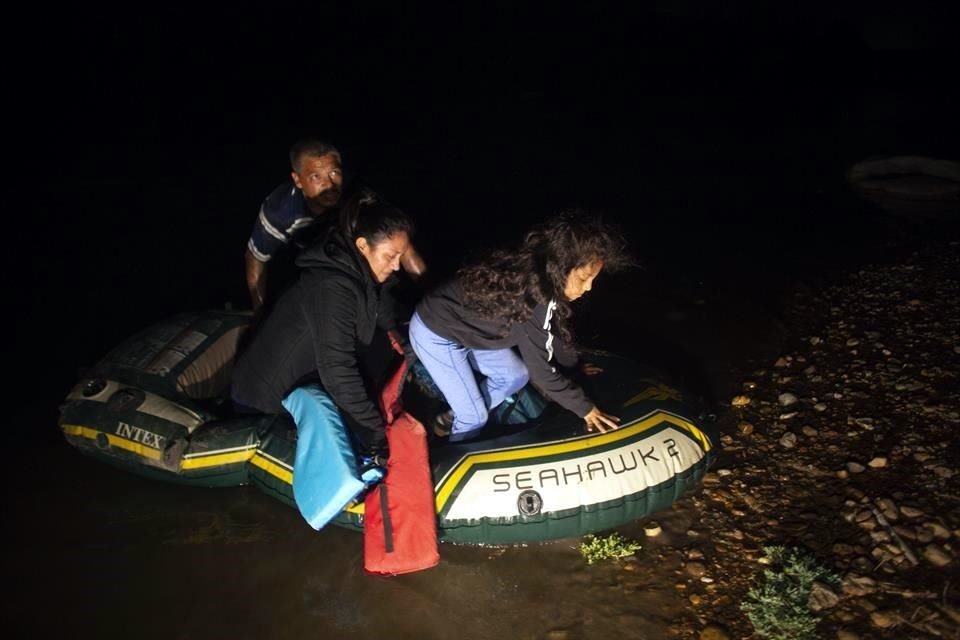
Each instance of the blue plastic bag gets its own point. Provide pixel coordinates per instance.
(326, 477)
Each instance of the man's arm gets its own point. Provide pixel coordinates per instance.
(256, 279)
(412, 263)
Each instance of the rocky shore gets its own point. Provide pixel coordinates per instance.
(844, 446)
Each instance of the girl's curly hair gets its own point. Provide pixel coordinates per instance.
(509, 284)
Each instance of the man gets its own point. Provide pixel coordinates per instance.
(298, 210)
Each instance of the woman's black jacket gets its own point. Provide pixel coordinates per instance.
(316, 330)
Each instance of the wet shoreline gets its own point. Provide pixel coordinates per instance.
(843, 445)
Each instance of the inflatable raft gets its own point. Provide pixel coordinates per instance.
(909, 185)
(156, 406)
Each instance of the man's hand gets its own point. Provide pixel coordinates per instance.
(412, 263)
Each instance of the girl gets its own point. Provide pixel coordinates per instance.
(514, 299)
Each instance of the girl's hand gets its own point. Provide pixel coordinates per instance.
(591, 369)
(599, 421)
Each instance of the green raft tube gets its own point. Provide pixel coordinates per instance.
(157, 406)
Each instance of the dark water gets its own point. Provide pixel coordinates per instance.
(720, 147)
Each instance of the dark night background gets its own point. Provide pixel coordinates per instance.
(145, 136)
(717, 134)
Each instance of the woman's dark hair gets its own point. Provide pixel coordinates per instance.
(509, 284)
(368, 216)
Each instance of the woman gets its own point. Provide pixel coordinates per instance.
(516, 299)
(322, 323)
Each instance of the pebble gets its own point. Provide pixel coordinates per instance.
(867, 605)
(889, 508)
(788, 440)
(714, 631)
(924, 535)
(938, 531)
(740, 401)
(855, 467)
(884, 619)
(745, 428)
(880, 554)
(787, 399)
(877, 463)
(857, 585)
(857, 494)
(879, 536)
(936, 555)
(847, 635)
(820, 406)
(822, 597)
(864, 515)
(910, 512)
(808, 431)
(907, 533)
(652, 529)
(696, 569)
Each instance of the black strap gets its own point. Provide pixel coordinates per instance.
(387, 524)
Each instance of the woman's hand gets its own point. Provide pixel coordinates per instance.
(599, 421)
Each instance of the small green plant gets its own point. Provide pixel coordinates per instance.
(778, 608)
(598, 548)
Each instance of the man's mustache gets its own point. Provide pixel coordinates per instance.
(331, 195)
